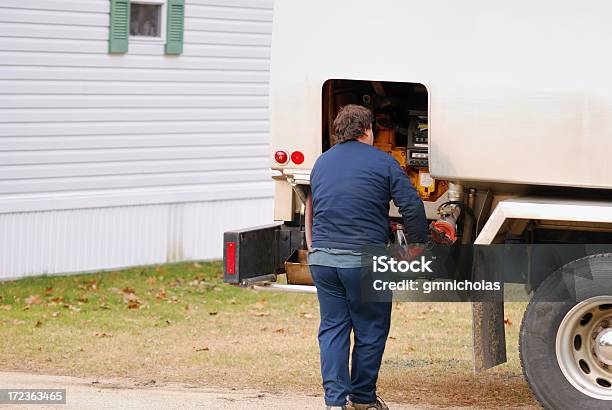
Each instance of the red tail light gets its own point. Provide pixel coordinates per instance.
(281, 157)
(297, 157)
(230, 258)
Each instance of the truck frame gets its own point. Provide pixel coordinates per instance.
(506, 109)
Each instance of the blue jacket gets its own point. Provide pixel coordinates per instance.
(352, 184)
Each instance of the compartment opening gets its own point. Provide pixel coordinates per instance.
(401, 124)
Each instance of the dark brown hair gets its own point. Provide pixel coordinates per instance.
(351, 123)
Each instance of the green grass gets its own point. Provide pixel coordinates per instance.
(181, 323)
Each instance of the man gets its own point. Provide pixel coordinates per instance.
(352, 184)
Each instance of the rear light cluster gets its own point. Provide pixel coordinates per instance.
(282, 158)
(230, 258)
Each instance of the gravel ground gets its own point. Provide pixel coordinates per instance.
(125, 394)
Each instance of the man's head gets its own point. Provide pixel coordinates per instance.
(353, 122)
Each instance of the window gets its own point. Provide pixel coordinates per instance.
(145, 20)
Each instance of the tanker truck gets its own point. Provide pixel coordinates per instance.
(502, 109)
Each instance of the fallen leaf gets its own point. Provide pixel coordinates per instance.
(57, 299)
(201, 349)
(259, 314)
(133, 304)
(131, 300)
(102, 334)
(260, 304)
(507, 322)
(128, 290)
(392, 338)
(151, 280)
(212, 313)
(48, 291)
(38, 323)
(280, 330)
(33, 300)
(161, 295)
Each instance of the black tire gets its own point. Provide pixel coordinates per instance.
(575, 282)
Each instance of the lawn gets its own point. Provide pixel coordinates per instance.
(181, 323)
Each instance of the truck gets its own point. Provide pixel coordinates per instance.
(504, 109)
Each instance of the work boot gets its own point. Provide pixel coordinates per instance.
(346, 407)
(379, 404)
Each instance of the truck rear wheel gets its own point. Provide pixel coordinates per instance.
(566, 336)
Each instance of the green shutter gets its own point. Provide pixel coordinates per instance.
(175, 28)
(119, 26)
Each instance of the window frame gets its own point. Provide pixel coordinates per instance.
(162, 30)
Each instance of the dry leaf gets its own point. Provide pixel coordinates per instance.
(212, 313)
(507, 322)
(128, 290)
(102, 334)
(38, 323)
(161, 295)
(133, 304)
(201, 349)
(259, 314)
(280, 330)
(151, 280)
(33, 300)
(260, 304)
(48, 291)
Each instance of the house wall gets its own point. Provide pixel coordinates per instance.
(117, 160)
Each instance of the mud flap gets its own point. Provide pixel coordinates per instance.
(488, 332)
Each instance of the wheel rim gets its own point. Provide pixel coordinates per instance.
(584, 347)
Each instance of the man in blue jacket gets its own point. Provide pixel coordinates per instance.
(352, 184)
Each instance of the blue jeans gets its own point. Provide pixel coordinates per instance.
(343, 311)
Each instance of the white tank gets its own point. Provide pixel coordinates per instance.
(519, 92)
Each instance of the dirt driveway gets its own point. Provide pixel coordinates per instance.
(126, 394)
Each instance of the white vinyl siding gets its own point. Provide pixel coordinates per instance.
(81, 128)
